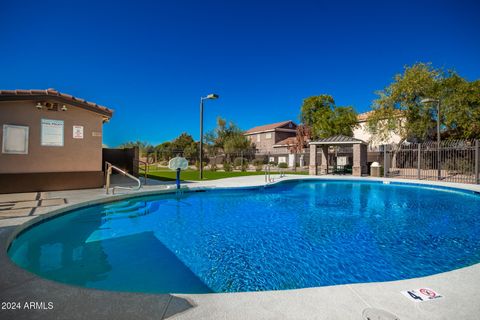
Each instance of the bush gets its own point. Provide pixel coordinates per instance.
(283, 165)
(238, 162)
(213, 167)
(227, 166)
(257, 162)
(272, 163)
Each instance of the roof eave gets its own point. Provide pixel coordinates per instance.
(74, 102)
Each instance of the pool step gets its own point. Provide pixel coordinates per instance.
(114, 205)
(133, 213)
(137, 205)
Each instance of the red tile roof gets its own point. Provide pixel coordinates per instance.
(268, 127)
(364, 116)
(52, 94)
(287, 142)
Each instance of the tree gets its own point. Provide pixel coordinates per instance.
(164, 151)
(399, 110)
(185, 145)
(227, 137)
(302, 137)
(144, 147)
(326, 119)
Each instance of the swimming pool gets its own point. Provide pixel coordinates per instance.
(295, 234)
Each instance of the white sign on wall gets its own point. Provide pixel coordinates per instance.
(341, 161)
(77, 132)
(52, 133)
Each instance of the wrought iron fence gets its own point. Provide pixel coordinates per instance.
(452, 161)
(248, 160)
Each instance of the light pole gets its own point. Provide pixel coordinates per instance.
(210, 96)
(437, 101)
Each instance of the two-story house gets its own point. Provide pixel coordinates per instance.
(361, 132)
(273, 140)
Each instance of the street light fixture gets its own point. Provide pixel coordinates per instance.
(437, 101)
(211, 96)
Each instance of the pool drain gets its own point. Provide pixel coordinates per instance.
(377, 314)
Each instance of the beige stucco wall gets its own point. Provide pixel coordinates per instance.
(76, 154)
(361, 132)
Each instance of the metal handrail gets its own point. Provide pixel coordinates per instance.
(145, 170)
(108, 172)
(268, 177)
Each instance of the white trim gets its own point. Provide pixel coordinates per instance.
(270, 130)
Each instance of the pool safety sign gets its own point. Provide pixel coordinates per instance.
(77, 132)
(422, 294)
(51, 133)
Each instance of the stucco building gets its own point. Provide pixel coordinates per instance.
(361, 132)
(50, 141)
(274, 140)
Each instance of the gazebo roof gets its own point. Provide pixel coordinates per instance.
(337, 140)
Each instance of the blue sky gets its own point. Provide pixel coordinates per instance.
(152, 60)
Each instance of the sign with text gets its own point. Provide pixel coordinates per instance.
(422, 294)
(77, 132)
(52, 133)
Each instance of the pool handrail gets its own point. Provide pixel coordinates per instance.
(108, 172)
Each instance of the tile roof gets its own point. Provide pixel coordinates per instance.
(338, 139)
(364, 116)
(287, 142)
(268, 127)
(12, 95)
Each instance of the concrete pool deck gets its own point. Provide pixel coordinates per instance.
(460, 288)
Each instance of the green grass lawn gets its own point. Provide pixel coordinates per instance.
(168, 175)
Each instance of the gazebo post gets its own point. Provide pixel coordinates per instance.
(324, 164)
(359, 159)
(312, 167)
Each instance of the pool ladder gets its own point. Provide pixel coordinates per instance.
(268, 176)
(108, 172)
(268, 173)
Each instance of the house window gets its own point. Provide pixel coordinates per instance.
(271, 159)
(282, 159)
(15, 139)
(268, 135)
(258, 137)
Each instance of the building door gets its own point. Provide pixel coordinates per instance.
(291, 160)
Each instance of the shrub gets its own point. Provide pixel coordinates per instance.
(227, 166)
(257, 162)
(283, 165)
(213, 167)
(238, 162)
(272, 163)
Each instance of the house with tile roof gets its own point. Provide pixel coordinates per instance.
(266, 137)
(361, 132)
(274, 140)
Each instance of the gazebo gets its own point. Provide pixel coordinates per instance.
(359, 154)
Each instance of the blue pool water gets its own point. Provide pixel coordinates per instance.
(292, 235)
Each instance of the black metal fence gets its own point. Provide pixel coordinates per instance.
(452, 161)
(249, 160)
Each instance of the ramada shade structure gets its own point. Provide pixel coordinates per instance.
(359, 154)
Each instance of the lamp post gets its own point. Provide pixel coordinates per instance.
(210, 96)
(437, 101)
